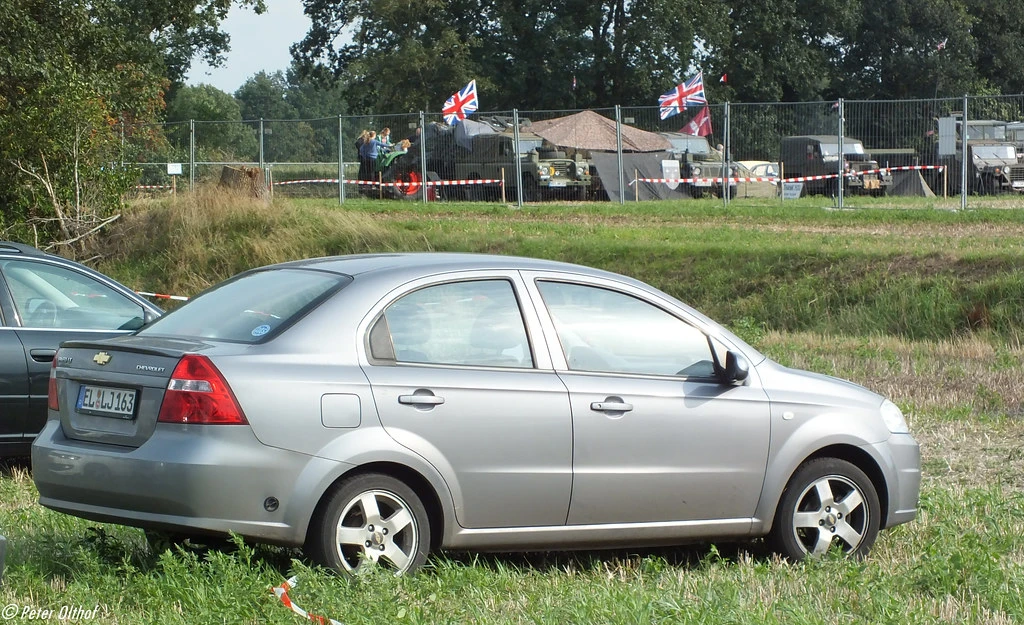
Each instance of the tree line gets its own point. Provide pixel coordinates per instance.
(73, 73)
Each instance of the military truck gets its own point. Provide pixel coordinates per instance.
(490, 154)
(697, 159)
(818, 155)
(993, 158)
(547, 172)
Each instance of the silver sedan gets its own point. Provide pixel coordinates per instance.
(372, 409)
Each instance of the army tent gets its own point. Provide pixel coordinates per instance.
(588, 130)
(909, 183)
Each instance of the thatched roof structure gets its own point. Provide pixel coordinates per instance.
(588, 130)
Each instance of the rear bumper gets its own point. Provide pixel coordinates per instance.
(219, 481)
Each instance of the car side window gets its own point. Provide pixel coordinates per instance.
(474, 323)
(602, 330)
(49, 296)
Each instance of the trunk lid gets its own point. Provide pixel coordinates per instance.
(110, 392)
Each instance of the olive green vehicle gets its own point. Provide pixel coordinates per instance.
(992, 153)
(699, 161)
(818, 155)
(547, 172)
(490, 155)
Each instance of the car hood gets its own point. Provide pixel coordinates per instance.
(784, 384)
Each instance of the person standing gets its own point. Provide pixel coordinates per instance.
(368, 153)
(360, 140)
(385, 137)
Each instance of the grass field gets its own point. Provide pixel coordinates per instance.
(921, 305)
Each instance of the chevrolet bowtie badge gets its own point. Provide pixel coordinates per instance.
(101, 358)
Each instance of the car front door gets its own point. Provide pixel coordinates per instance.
(53, 304)
(657, 437)
(457, 379)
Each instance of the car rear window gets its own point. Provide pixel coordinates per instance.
(251, 308)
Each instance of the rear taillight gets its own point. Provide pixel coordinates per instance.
(51, 392)
(198, 393)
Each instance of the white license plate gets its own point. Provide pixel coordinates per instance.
(556, 183)
(106, 401)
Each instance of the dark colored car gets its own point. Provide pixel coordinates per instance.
(45, 300)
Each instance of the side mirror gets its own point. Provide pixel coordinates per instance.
(736, 368)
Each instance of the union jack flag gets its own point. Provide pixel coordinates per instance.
(689, 92)
(461, 103)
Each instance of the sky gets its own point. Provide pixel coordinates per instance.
(258, 43)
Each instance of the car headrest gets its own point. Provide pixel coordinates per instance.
(498, 327)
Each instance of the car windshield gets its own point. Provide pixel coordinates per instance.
(525, 145)
(849, 147)
(1002, 152)
(978, 131)
(250, 308)
(695, 146)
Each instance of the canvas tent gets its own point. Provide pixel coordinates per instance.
(910, 184)
(592, 131)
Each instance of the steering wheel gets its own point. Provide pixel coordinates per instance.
(42, 314)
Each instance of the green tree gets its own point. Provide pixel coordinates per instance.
(76, 77)
(220, 133)
(523, 53)
(265, 96)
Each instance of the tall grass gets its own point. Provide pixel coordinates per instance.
(849, 294)
(922, 274)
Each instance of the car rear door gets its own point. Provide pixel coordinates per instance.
(656, 436)
(457, 379)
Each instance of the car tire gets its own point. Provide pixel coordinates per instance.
(828, 502)
(370, 519)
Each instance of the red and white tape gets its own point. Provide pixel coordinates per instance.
(696, 180)
(312, 181)
(881, 170)
(374, 183)
(282, 593)
(179, 298)
(153, 186)
(445, 183)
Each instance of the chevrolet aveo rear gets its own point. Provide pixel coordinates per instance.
(372, 409)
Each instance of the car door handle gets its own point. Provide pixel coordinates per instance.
(42, 355)
(611, 406)
(421, 400)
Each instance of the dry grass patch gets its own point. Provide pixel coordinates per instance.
(963, 399)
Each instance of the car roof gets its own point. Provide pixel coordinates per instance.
(12, 247)
(821, 138)
(424, 263)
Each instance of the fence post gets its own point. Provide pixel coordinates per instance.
(341, 166)
(424, 190)
(122, 143)
(963, 158)
(261, 143)
(726, 152)
(519, 160)
(842, 154)
(618, 153)
(191, 155)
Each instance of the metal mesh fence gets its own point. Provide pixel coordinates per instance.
(882, 148)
